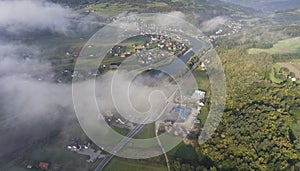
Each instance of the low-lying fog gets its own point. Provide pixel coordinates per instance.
(32, 106)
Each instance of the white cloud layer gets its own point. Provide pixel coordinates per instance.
(27, 15)
(213, 23)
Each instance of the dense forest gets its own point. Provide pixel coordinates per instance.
(259, 126)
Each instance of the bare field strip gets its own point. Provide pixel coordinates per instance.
(292, 66)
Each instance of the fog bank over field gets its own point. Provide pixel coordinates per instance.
(30, 107)
(25, 16)
(214, 23)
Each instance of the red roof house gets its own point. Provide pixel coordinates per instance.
(44, 165)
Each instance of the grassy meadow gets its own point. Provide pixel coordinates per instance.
(288, 46)
(117, 164)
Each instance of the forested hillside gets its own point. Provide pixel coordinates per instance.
(255, 132)
(200, 9)
(258, 130)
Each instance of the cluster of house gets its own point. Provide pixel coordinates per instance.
(182, 119)
(77, 145)
(119, 51)
(173, 45)
(235, 26)
(42, 165)
(85, 148)
(182, 112)
(117, 121)
(150, 57)
(230, 28)
(163, 43)
(70, 73)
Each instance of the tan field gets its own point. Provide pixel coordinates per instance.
(292, 66)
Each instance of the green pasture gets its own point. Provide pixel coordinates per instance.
(118, 164)
(288, 46)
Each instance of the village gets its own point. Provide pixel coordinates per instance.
(85, 148)
(179, 117)
(144, 53)
(77, 145)
(169, 45)
(138, 47)
(228, 29)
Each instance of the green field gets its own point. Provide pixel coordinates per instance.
(54, 151)
(203, 83)
(202, 79)
(293, 66)
(146, 132)
(288, 46)
(273, 78)
(122, 131)
(113, 9)
(16, 168)
(203, 114)
(184, 152)
(118, 164)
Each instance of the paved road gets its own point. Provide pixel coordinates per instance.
(94, 155)
(186, 76)
(121, 144)
(139, 127)
(129, 136)
(126, 139)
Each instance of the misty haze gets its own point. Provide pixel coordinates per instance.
(160, 85)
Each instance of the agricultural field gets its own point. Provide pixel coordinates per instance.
(293, 66)
(146, 132)
(113, 9)
(285, 57)
(288, 46)
(183, 151)
(202, 79)
(273, 75)
(122, 131)
(281, 71)
(54, 151)
(133, 165)
(203, 83)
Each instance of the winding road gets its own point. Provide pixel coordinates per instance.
(139, 127)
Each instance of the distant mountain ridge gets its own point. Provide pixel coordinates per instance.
(269, 5)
